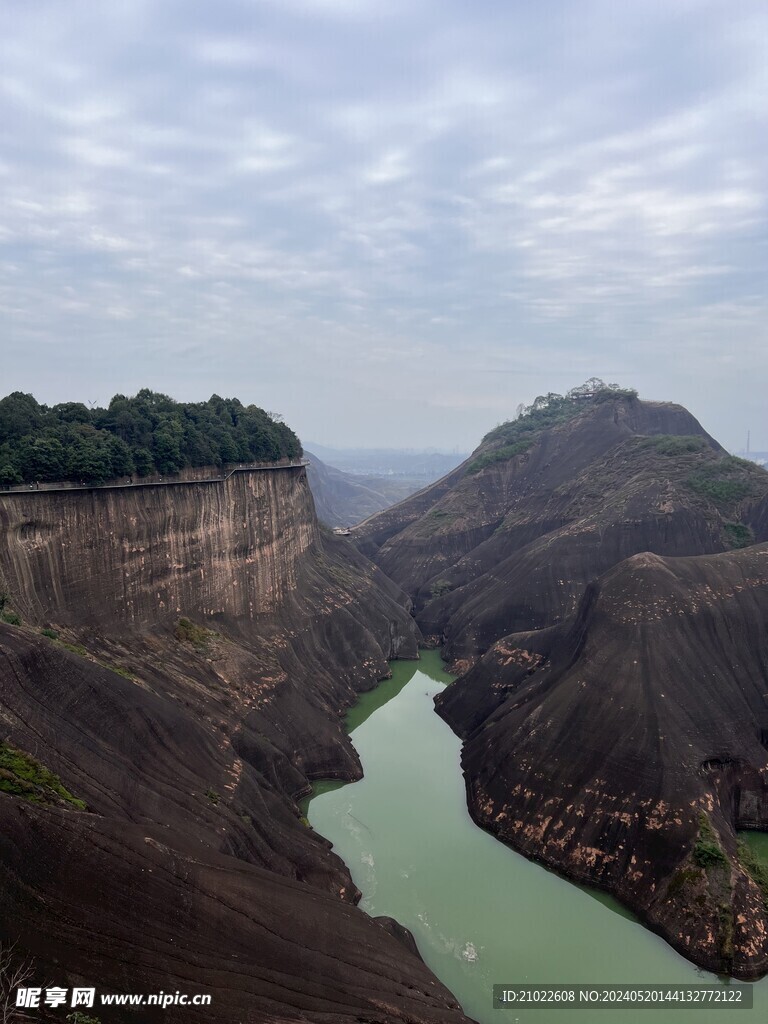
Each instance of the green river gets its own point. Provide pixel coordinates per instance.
(481, 913)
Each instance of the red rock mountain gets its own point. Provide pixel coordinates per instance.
(594, 572)
(202, 641)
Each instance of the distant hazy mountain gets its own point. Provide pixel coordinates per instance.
(422, 465)
(342, 499)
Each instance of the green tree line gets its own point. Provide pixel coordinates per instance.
(133, 437)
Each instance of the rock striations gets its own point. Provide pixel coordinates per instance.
(602, 587)
(200, 641)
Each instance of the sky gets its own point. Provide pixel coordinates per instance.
(391, 222)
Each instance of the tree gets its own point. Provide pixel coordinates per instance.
(144, 434)
(72, 412)
(15, 971)
(120, 457)
(143, 462)
(167, 450)
(589, 387)
(19, 415)
(41, 458)
(228, 450)
(89, 461)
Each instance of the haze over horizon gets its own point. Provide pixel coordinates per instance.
(389, 223)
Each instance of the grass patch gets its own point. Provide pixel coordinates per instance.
(75, 649)
(120, 671)
(22, 775)
(707, 851)
(438, 517)
(341, 575)
(725, 915)
(197, 636)
(6, 613)
(757, 869)
(682, 878)
(82, 652)
(440, 587)
(503, 454)
(212, 795)
(737, 535)
(673, 444)
(727, 481)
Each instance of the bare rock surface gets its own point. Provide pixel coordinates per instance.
(603, 593)
(206, 640)
(626, 748)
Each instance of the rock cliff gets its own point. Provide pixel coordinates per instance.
(599, 586)
(626, 747)
(148, 553)
(512, 546)
(202, 640)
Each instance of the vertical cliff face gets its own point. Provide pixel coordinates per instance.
(214, 634)
(285, 621)
(140, 554)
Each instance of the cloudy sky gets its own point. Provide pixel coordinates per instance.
(389, 221)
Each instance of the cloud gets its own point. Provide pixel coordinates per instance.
(290, 183)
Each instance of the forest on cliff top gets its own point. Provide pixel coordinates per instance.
(144, 434)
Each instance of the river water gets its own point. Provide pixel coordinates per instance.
(481, 914)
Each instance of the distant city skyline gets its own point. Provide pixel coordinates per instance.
(391, 223)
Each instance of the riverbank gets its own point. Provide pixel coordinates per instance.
(481, 914)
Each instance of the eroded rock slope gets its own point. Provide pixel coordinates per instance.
(202, 642)
(598, 581)
(626, 746)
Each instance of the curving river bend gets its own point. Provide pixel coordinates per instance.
(481, 914)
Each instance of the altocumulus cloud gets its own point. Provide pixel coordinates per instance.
(392, 222)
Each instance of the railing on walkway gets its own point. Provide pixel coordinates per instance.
(245, 467)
